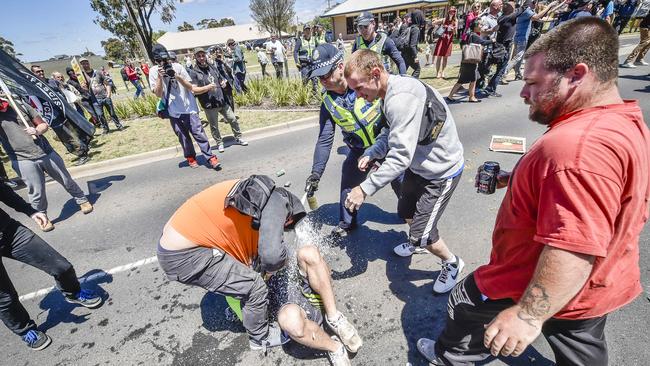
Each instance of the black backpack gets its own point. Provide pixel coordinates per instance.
(433, 118)
(125, 77)
(249, 196)
(403, 39)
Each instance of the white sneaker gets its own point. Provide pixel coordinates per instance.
(407, 249)
(641, 63)
(346, 332)
(628, 65)
(340, 357)
(448, 276)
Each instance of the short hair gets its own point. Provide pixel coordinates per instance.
(587, 40)
(34, 67)
(364, 61)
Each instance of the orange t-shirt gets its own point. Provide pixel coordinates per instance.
(582, 187)
(203, 220)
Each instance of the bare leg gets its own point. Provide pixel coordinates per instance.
(438, 61)
(311, 262)
(444, 65)
(293, 320)
(472, 90)
(439, 248)
(452, 92)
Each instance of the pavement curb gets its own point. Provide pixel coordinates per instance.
(131, 161)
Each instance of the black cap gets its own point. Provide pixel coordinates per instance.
(159, 52)
(324, 57)
(365, 18)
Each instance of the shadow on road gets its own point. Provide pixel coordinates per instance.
(212, 313)
(95, 187)
(60, 311)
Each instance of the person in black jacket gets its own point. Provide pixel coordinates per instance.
(410, 53)
(19, 243)
(469, 71)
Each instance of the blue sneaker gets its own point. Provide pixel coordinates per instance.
(36, 340)
(85, 298)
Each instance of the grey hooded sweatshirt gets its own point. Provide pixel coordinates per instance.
(403, 106)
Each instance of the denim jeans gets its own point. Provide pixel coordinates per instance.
(138, 88)
(99, 111)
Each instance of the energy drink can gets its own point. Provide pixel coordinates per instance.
(487, 177)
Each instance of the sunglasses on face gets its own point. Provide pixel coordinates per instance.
(362, 27)
(328, 75)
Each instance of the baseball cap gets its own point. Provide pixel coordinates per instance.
(365, 18)
(199, 49)
(83, 59)
(324, 57)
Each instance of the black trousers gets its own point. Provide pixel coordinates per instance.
(413, 62)
(21, 244)
(574, 342)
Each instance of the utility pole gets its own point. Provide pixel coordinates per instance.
(139, 35)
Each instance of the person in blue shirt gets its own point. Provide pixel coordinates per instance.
(624, 14)
(379, 42)
(360, 123)
(608, 11)
(583, 9)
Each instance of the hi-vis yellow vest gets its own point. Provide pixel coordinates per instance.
(361, 121)
(307, 47)
(377, 45)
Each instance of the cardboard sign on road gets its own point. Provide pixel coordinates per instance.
(509, 144)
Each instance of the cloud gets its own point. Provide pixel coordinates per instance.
(192, 1)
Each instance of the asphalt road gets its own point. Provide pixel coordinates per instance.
(148, 320)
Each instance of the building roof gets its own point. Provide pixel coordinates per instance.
(208, 37)
(357, 6)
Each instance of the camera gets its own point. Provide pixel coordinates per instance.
(169, 70)
(163, 58)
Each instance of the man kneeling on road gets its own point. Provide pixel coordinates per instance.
(421, 143)
(212, 240)
(360, 121)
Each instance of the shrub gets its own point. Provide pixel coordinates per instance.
(122, 110)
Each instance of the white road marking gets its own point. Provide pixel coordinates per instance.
(112, 271)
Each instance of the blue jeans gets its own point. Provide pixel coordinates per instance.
(138, 88)
(99, 111)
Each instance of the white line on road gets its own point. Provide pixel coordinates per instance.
(93, 277)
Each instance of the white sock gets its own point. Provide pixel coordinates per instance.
(452, 259)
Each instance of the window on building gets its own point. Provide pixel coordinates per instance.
(349, 25)
(388, 17)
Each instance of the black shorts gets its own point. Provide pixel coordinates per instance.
(424, 201)
(286, 287)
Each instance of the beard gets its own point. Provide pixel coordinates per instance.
(549, 105)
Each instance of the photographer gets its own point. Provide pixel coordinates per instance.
(172, 83)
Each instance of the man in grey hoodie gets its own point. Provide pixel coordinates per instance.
(432, 164)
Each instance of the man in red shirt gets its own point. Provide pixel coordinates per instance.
(134, 78)
(567, 233)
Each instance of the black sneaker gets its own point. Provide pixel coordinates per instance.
(10, 183)
(276, 337)
(339, 232)
(85, 298)
(36, 340)
(82, 160)
(428, 351)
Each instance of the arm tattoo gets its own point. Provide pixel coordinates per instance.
(535, 304)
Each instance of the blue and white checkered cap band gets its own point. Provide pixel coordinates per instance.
(338, 57)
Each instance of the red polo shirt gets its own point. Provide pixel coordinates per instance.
(583, 187)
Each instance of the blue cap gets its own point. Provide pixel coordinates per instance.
(324, 57)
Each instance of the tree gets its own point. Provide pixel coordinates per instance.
(185, 27)
(325, 22)
(8, 47)
(130, 20)
(157, 34)
(115, 49)
(273, 16)
(213, 23)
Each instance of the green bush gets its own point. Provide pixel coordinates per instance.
(122, 110)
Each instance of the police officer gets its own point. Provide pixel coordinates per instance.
(359, 122)
(376, 41)
(319, 35)
(302, 53)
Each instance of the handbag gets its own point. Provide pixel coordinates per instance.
(438, 32)
(162, 108)
(472, 53)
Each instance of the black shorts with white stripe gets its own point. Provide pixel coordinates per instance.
(424, 201)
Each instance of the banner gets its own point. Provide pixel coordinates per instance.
(52, 106)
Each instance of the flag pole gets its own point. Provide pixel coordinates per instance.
(13, 104)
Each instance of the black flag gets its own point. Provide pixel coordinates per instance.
(52, 105)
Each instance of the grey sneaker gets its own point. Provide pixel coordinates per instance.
(220, 147)
(275, 338)
(240, 141)
(36, 340)
(339, 357)
(346, 332)
(448, 276)
(85, 298)
(427, 348)
(641, 63)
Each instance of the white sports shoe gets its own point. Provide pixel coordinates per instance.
(628, 65)
(641, 63)
(448, 276)
(407, 249)
(340, 357)
(346, 332)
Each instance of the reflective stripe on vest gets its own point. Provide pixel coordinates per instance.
(360, 122)
(307, 47)
(377, 45)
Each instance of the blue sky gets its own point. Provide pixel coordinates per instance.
(41, 29)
